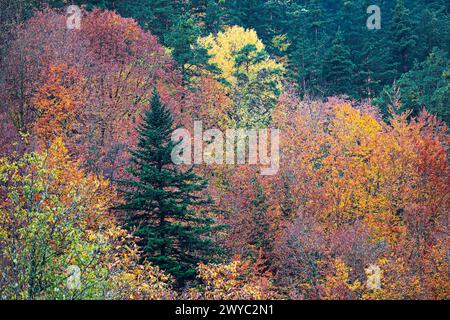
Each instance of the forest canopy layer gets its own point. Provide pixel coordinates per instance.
(355, 118)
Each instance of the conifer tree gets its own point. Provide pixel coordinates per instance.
(214, 12)
(427, 85)
(160, 200)
(338, 68)
(158, 16)
(190, 56)
(305, 32)
(376, 67)
(403, 37)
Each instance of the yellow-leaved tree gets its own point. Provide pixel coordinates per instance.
(238, 280)
(252, 77)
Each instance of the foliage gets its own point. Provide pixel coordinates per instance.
(160, 198)
(427, 86)
(337, 285)
(54, 216)
(237, 280)
(357, 210)
(100, 80)
(338, 67)
(253, 78)
(58, 102)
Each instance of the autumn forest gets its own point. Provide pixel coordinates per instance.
(118, 180)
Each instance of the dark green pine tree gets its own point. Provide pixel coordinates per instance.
(213, 16)
(190, 56)
(209, 13)
(305, 30)
(158, 16)
(427, 85)
(159, 201)
(432, 27)
(249, 14)
(376, 67)
(352, 25)
(403, 37)
(338, 68)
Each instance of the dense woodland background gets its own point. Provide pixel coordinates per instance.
(358, 210)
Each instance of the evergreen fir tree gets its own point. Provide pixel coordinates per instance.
(160, 198)
(158, 16)
(403, 37)
(213, 20)
(376, 67)
(352, 25)
(433, 27)
(190, 56)
(338, 68)
(250, 14)
(305, 32)
(427, 85)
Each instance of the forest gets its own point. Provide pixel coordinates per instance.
(351, 97)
